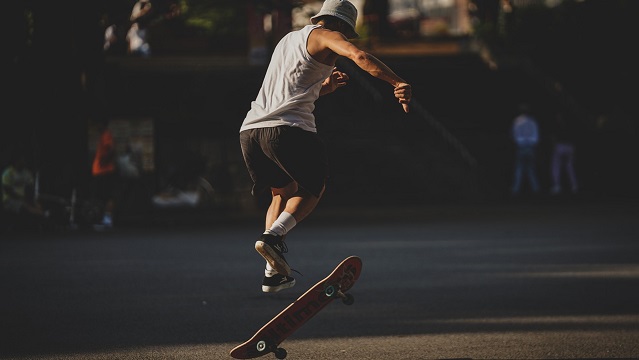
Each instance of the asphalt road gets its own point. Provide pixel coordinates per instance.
(542, 280)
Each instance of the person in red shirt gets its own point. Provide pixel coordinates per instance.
(104, 172)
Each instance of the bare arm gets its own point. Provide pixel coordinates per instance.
(336, 80)
(337, 43)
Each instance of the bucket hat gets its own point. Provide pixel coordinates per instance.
(342, 9)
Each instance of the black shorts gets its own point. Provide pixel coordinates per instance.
(276, 156)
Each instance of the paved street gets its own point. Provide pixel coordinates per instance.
(513, 280)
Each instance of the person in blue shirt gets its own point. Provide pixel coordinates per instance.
(525, 134)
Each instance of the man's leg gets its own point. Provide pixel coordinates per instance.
(296, 208)
(280, 197)
(570, 168)
(519, 169)
(556, 171)
(297, 202)
(532, 175)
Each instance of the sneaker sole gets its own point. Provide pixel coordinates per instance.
(273, 289)
(272, 258)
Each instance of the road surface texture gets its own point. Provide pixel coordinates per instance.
(513, 280)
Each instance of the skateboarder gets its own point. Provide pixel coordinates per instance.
(278, 137)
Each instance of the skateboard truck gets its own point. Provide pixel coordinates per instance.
(332, 291)
(263, 346)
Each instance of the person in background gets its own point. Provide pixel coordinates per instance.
(104, 172)
(17, 182)
(525, 134)
(281, 149)
(563, 156)
(137, 36)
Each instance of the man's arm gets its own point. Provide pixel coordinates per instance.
(337, 43)
(336, 80)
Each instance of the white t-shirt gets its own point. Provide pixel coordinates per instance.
(291, 85)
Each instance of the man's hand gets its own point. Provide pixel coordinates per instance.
(403, 93)
(336, 80)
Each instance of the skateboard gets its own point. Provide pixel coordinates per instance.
(267, 339)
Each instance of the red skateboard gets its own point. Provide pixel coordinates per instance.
(267, 339)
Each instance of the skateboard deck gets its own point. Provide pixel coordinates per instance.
(267, 339)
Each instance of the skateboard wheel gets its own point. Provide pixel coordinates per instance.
(280, 353)
(330, 291)
(348, 299)
(261, 346)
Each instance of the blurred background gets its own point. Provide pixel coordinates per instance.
(176, 102)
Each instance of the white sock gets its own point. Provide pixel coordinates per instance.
(269, 271)
(284, 223)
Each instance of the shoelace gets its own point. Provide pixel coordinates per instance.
(297, 272)
(283, 248)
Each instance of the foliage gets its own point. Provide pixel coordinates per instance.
(214, 17)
